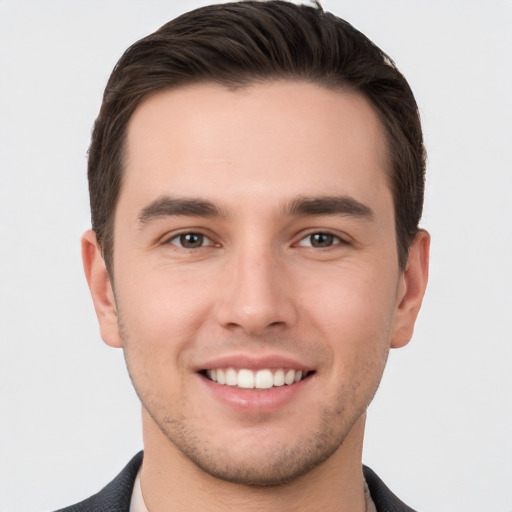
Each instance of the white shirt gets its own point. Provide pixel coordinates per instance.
(137, 502)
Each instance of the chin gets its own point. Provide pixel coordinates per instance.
(270, 467)
(260, 458)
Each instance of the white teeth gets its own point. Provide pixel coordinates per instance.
(264, 379)
(245, 379)
(279, 378)
(221, 378)
(231, 377)
(289, 378)
(261, 379)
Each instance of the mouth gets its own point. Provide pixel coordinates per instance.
(262, 379)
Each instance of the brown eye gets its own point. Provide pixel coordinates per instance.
(319, 240)
(190, 240)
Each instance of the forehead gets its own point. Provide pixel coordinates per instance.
(273, 139)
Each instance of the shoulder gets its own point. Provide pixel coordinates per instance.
(384, 499)
(114, 497)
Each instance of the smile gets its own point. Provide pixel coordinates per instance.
(260, 379)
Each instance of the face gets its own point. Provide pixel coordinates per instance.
(257, 288)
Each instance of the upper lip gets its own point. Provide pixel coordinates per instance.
(252, 362)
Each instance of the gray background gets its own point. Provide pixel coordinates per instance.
(439, 431)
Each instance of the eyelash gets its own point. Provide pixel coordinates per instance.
(332, 238)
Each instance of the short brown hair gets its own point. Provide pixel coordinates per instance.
(239, 43)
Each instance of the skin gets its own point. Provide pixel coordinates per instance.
(256, 286)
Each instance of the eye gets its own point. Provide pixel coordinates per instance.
(190, 240)
(320, 240)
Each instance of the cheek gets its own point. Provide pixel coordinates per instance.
(352, 301)
(162, 306)
(159, 319)
(354, 313)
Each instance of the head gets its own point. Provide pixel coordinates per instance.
(256, 176)
(249, 42)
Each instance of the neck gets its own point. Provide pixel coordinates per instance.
(171, 482)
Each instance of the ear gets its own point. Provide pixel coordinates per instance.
(411, 290)
(101, 289)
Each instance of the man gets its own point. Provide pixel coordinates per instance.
(256, 182)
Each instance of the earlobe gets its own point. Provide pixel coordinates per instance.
(412, 290)
(101, 289)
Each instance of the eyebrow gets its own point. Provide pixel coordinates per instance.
(167, 206)
(329, 205)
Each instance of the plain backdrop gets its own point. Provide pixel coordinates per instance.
(440, 429)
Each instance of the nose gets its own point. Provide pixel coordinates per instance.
(258, 295)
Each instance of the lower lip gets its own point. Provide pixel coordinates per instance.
(254, 400)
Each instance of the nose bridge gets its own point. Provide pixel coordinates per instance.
(257, 296)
